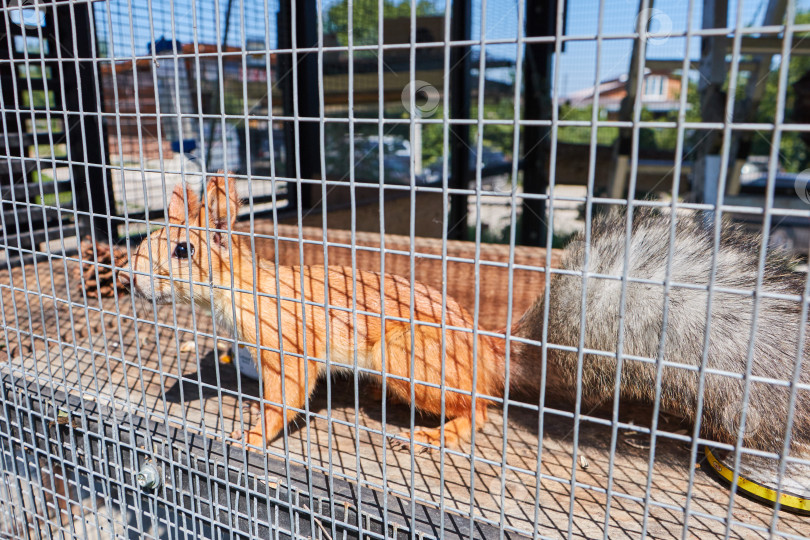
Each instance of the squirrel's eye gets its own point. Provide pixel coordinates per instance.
(184, 250)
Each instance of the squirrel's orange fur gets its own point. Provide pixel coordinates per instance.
(225, 260)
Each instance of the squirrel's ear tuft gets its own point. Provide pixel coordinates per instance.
(182, 196)
(223, 203)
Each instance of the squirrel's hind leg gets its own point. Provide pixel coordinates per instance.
(425, 348)
(456, 430)
(294, 396)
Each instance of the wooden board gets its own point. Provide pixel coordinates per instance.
(136, 364)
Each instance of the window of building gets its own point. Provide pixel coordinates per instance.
(654, 86)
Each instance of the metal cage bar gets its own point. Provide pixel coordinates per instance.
(319, 203)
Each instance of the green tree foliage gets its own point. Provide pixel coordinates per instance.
(365, 18)
(498, 137)
(793, 154)
(667, 138)
(650, 138)
(582, 135)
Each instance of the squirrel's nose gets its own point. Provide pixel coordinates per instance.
(124, 278)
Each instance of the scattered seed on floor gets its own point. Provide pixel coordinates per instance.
(583, 462)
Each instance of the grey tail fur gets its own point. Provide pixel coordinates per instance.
(775, 346)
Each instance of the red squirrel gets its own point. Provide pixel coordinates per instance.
(216, 249)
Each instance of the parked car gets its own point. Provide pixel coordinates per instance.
(396, 160)
(490, 158)
(754, 177)
(790, 191)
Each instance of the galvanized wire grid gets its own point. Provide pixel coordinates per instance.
(210, 489)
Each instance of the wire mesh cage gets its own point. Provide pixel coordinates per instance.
(404, 269)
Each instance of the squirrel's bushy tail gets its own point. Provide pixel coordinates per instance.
(677, 346)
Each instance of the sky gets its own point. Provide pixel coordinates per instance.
(577, 64)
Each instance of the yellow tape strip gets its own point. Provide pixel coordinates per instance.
(753, 488)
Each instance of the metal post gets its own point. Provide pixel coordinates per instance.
(85, 145)
(214, 101)
(617, 185)
(309, 152)
(754, 90)
(712, 102)
(540, 19)
(7, 169)
(459, 89)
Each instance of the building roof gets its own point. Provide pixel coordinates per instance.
(612, 91)
(143, 62)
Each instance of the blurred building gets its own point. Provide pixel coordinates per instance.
(660, 95)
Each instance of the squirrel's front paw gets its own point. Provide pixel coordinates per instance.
(250, 408)
(251, 439)
(425, 442)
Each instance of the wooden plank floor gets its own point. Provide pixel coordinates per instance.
(87, 349)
